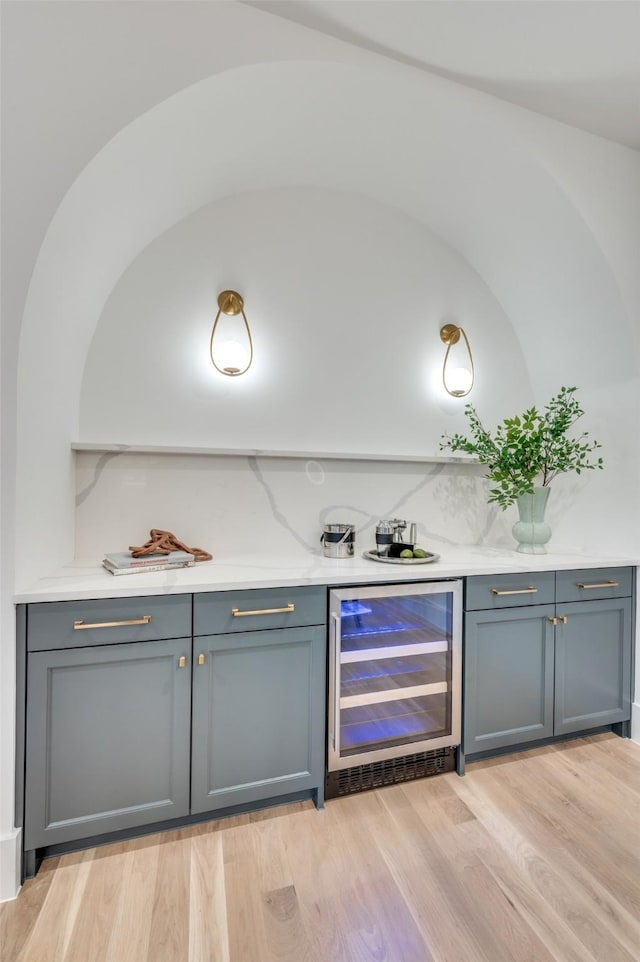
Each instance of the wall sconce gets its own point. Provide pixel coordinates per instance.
(231, 357)
(457, 381)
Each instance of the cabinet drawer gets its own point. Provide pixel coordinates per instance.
(83, 624)
(589, 584)
(223, 611)
(510, 591)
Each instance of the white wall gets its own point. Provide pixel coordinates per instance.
(461, 171)
(345, 298)
(547, 216)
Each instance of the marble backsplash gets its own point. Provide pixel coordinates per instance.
(236, 504)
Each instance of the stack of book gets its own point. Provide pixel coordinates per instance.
(123, 563)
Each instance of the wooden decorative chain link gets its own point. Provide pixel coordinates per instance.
(164, 542)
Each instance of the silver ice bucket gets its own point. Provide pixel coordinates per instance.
(338, 540)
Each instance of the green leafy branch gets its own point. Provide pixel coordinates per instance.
(529, 449)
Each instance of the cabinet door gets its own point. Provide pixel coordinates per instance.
(593, 664)
(107, 739)
(508, 677)
(258, 716)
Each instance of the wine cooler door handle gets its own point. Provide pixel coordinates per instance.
(336, 648)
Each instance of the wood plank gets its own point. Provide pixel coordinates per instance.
(532, 857)
(208, 933)
(169, 940)
(49, 938)
(617, 759)
(499, 932)
(379, 923)
(18, 918)
(131, 931)
(93, 908)
(517, 870)
(563, 861)
(241, 893)
(309, 851)
(429, 885)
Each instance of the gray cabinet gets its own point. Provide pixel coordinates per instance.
(534, 670)
(258, 716)
(593, 664)
(130, 721)
(107, 716)
(258, 696)
(107, 739)
(508, 677)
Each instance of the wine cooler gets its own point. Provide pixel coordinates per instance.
(394, 683)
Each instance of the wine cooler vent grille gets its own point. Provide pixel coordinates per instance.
(391, 771)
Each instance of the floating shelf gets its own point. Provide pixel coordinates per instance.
(264, 453)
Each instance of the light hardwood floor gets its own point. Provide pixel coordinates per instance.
(530, 857)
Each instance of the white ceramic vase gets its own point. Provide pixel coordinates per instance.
(531, 531)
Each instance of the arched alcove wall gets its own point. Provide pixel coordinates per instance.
(345, 297)
(427, 150)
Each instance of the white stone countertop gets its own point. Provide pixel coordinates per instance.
(84, 580)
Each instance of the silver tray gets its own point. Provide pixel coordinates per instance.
(374, 556)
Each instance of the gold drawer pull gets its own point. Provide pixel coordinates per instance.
(599, 584)
(262, 611)
(515, 591)
(80, 625)
(182, 660)
(201, 659)
(554, 621)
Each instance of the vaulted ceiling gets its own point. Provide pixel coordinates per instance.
(575, 60)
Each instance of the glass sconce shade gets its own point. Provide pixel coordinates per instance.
(229, 356)
(457, 380)
(232, 357)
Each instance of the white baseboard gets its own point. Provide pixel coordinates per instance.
(635, 722)
(10, 862)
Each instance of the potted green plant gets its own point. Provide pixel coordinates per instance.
(524, 455)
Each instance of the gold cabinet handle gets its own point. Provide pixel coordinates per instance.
(201, 659)
(563, 619)
(599, 584)
(80, 625)
(182, 660)
(554, 621)
(262, 611)
(515, 591)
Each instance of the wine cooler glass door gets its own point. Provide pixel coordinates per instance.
(394, 681)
